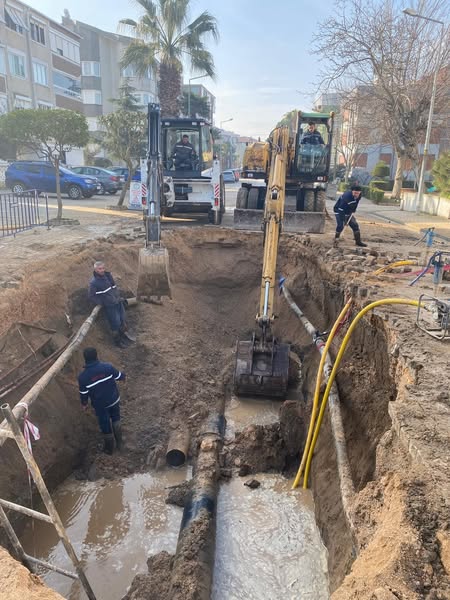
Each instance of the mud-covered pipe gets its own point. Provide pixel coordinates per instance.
(347, 489)
(193, 565)
(177, 448)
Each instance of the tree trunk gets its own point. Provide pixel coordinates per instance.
(170, 90)
(58, 190)
(398, 179)
(125, 189)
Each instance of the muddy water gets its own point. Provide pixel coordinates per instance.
(114, 527)
(242, 412)
(268, 544)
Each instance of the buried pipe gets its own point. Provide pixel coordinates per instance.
(22, 407)
(346, 486)
(177, 448)
(193, 565)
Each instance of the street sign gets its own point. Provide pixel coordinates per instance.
(135, 201)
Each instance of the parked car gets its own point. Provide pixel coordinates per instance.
(229, 176)
(237, 174)
(123, 173)
(109, 181)
(25, 175)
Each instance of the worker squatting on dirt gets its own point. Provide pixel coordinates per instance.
(97, 383)
(104, 291)
(344, 210)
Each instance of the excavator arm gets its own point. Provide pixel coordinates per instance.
(262, 364)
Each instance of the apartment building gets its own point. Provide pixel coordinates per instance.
(102, 76)
(40, 63)
(203, 92)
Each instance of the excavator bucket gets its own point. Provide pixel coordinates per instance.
(293, 222)
(261, 371)
(153, 273)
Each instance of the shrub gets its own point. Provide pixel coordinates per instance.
(381, 170)
(408, 184)
(343, 187)
(441, 173)
(376, 195)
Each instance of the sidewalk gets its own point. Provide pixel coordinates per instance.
(371, 213)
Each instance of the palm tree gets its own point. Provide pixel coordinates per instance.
(165, 39)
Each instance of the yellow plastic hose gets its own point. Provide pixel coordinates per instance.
(399, 263)
(312, 421)
(337, 362)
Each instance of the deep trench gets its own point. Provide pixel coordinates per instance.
(181, 368)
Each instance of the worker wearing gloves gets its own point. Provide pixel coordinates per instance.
(104, 291)
(97, 383)
(344, 210)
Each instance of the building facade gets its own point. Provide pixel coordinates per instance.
(101, 74)
(202, 92)
(40, 64)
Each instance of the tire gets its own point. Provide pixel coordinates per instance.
(101, 190)
(309, 201)
(112, 192)
(253, 195)
(74, 192)
(17, 188)
(321, 201)
(87, 196)
(242, 197)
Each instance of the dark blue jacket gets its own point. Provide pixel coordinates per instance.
(98, 383)
(312, 137)
(347, 204)
(103, 290)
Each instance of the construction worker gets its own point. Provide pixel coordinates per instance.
(184, 154)
(312, 136)
(98, 383)
(344, 211)
(104, 291)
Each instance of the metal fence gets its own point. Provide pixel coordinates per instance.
(20, 212)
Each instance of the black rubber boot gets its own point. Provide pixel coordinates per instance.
(118, 339)
(108, 443)
(358, 242)
(336, 238)
(117, 429)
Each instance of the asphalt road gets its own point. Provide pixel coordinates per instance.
(99, 205)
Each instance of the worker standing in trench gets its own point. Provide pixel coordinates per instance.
(104, 291)
(98, 383)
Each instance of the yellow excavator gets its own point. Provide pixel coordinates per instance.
(262, 364)
(284, 182)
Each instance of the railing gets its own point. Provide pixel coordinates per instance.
(20, 212)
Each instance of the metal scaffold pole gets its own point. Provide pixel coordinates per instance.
(52, 512)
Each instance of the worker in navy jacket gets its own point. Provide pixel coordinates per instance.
(344, 210)
(104, 291)
(97, 383)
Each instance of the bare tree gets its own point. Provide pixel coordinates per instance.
(372, 44)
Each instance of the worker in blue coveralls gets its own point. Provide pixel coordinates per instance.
(104, 291)
(344, 210)
(97, 383)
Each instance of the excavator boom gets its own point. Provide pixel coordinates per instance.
(262, 364)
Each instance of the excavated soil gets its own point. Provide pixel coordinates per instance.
(393, 385)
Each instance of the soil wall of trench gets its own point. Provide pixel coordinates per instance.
(178, 371)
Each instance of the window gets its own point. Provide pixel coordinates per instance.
(129, 71)
(64, 47)
(92, 123)
(143, 98)
(2, 62)
(22, 102)
(40, 74)
(3, 104)
(37, 32)
(66, 85)
(43, 105)
(90, 68)
(17, 65)
(14, 19)
(149, 73)
(91, 97)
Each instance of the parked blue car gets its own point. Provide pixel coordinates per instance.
(122, 172)
(26, 175)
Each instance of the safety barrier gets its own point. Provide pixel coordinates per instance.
(20, 212)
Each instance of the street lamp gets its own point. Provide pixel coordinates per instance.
(225, 121)
(412, 13)
(189, 93)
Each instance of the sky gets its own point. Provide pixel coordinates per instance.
(263, 60)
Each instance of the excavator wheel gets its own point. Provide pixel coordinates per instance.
(321, 201)
(309, 201)
(241, 199)
(253, 196)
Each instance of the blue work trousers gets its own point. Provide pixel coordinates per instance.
(106, 415)
(342, 219)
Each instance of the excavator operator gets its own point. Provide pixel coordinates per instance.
(184, 155)
(312, 136)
